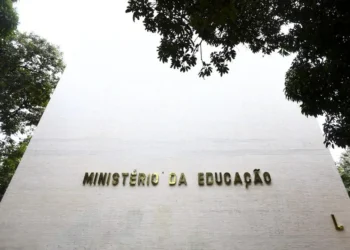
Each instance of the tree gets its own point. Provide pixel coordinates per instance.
(30, 68)
(8, 18)
(344, 169)
(317, 33)
(10, 156)
(29, 71)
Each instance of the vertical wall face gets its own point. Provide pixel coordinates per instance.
(117, 109)
(182, 128)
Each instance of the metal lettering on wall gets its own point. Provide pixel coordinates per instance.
(176, 179)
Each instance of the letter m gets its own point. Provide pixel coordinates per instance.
(88, 179)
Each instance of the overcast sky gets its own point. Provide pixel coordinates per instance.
(99, 41)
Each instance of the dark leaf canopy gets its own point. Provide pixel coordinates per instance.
(8, 18)
(185, 24)
(317, 31)
(30, 68)
(10, 156)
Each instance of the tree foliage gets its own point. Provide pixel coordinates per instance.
(344, 169)
(30, 68)
(8, 18)
(29, 71)
(10, 156)
(317, 31)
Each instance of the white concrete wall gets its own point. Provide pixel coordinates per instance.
(174, 127)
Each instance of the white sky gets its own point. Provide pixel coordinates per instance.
(99, 40)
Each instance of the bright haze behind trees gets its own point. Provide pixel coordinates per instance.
(318, 33)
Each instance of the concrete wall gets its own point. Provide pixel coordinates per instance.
(177, 127)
